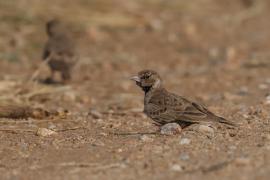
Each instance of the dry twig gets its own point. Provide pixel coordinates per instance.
(95, 166)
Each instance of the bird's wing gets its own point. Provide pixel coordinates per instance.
(169, 107)
(160, 113)
(60, 49)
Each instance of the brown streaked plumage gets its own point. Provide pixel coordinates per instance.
(59, 50)
(165, 107)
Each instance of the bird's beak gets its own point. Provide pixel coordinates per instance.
(135, 78)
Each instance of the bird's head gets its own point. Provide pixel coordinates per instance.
(53, 27)
(147, 80)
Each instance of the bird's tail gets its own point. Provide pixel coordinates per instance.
(225, 121)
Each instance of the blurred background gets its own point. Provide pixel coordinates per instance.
(164, 35)
(213, 51)
(117, 38)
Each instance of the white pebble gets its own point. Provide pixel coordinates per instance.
(119, 150)
(185, 141)
(51, 126)
(176, 167)
(146, 138)
(206, 130)
(170, 129)
(95, 114)
(45, 132)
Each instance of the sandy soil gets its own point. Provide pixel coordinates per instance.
(212, 51)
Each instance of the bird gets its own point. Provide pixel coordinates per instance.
(165, 107)
(59, 51)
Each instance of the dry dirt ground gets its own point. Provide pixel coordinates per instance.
(212, 51)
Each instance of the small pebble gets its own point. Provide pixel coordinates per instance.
(146, 138)
(184, 157)
(70, 95)
(185, 141)
(246, 116)
(98, 143)
(206, 130)
(170, 129)
(242, 161)
(119, 150)
(263, 86)
(95, 114)
(45, 132)
(103, 134)
(51, 126)
(176, 167)
(267, 101)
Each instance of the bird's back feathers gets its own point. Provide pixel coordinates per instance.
(165, 107)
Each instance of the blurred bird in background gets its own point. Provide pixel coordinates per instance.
(59, 51)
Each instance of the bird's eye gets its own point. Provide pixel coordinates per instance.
(147, 76)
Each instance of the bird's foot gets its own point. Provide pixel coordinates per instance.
(50, 80)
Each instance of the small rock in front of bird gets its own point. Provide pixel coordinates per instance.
(44, 132)
(185, 141)
(170, 129)
(209, 131)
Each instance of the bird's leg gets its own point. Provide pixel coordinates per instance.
(157, 126)
(50, 79)
(66, 76)
(52, 74)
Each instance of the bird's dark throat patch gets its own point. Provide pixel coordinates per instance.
(146, 89)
